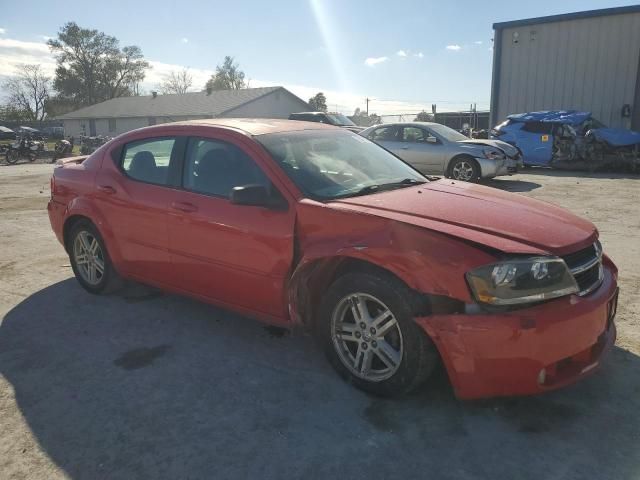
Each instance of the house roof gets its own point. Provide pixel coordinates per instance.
(568, 16)
(173, 105)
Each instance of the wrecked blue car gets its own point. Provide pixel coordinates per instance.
(569, 139)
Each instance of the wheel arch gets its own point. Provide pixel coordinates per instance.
(80, 209)
(312, 278)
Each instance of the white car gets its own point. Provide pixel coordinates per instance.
(436, 149)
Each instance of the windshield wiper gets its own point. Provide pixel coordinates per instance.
(407, 182)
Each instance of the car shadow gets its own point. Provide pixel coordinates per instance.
(145, 385)
(510, 185)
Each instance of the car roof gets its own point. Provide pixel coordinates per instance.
(256, 126)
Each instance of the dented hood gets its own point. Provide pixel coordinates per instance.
(501, 220)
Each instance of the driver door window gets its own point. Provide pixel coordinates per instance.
(214, 168)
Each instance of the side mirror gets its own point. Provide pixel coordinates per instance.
(432, 139)
(256, 196)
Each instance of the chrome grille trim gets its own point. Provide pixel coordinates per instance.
(584, 269)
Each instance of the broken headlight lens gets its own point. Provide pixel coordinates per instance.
(523, 280)
(493, 154)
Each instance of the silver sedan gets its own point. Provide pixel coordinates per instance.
(436, 149)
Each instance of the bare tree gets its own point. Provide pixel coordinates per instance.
(29, 91)
(176, 82)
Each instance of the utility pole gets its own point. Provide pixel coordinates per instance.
(367, 100)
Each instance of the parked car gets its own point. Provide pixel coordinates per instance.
(569, 139)
(296, 223)
(336, 119)
(436, 149)
(31, 132)
(7, 133)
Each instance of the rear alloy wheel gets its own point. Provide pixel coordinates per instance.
(465, 169)
(90, 261)
(367, 330)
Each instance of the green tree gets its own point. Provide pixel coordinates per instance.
(228, 76)
(28, 92)
(92, 68)
(423, 117)
(361, 118)
(318, 103)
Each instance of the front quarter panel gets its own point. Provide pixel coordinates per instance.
(427, 261)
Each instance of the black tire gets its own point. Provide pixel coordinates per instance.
(464, 160)
(110, 281)
(12, 157)
(419, 355)
(33, 157)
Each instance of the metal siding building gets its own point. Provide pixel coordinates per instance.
(584, 61)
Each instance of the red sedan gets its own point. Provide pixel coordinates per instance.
(300, 223)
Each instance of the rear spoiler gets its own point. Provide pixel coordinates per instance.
(77, 160)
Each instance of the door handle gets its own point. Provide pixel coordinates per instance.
(108, 189)
(404, 148)
(184, 207)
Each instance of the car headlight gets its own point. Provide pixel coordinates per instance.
(523, 280)
(493, 154)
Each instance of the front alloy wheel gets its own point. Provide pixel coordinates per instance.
(367, 337)
(365, 325)
(465, 170)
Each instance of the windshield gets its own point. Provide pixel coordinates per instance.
(330, 165)
(447, 133)
(339, 119)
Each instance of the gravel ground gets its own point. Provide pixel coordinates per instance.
(145, 385)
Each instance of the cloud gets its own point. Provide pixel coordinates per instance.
(372, 61)
(401, 53)
(14, 53)
(159, 71)
(3, 31)
(454, 48)
(478, 42)
(46, 38)
(419, 55)
(184, 40)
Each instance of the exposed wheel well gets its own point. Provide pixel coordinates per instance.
(320, 274)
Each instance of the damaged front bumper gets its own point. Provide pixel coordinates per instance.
(530, 350)
(494, 168)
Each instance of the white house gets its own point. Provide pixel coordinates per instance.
(122, 114)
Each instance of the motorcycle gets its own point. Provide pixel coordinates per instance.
(88, 145)
(62, 149)
(24, 147)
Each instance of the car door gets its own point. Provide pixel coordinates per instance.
(132, 195)
(422, 149)
(235, 255)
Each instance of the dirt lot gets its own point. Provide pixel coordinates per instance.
(144, 385)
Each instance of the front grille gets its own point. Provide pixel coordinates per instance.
(586, 267)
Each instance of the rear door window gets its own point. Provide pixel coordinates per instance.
(148, 160)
